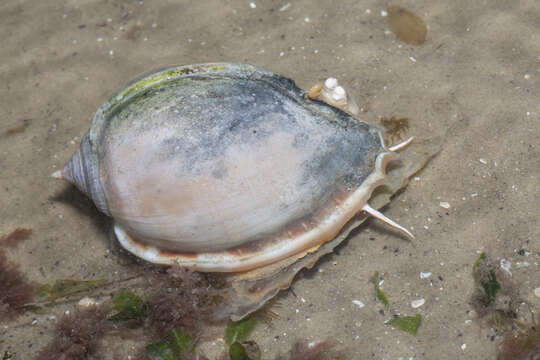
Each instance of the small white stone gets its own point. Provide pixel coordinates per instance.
(331, 83)
(384, 13)
(506, 265)
(527, 76)
(306, 19)
(86, 302)
(358, 303)
(483, 161)
(417, 303)
(537, 292)
(285, 7)
(463, 346)
(412, 59)
(425, 275)
(252, 5)
(444, 204)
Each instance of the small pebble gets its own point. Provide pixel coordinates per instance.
(425, 275)
(537, 292)
(285, 7)
(252, 5)
(417, 303)
(483, 161)
(444, 204)
(463, 346)
(358, 303)
(86, 302)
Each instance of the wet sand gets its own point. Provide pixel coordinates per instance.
(476, 76)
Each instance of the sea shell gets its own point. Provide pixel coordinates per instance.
(226, 167)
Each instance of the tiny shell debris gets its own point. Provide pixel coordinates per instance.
(358, 303)
(444, 204)
(406, 25)
(87, 302)
(506, 265)
(425, 275)
(417, 303)
(537, 292)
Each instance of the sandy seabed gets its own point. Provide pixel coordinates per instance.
(476, 76)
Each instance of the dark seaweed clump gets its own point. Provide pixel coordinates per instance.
(182, 298)
(522, 344)
(15, 237)
(497, 301)
(15, 289)
(78, 334)
(496, 298)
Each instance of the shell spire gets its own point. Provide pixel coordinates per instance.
(74, 173)
(81, 170)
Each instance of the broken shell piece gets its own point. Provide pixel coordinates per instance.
(86, 302)
(444, 205)
(537, 292)
(417, 303)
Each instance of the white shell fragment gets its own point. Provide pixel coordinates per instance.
(358, 303)
(537, 292)
(417, 303)
(425, 275)
(444, 205)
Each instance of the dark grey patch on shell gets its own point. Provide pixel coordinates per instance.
(207, 116)
(220, 170)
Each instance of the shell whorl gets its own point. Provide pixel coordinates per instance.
(82, 170)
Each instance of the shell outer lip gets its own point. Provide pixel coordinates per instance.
(228, 261)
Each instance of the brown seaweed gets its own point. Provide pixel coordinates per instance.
(522, 344)
(78, 334)
(406, 25)
(15, 289)
(15, 237)
(181, 298)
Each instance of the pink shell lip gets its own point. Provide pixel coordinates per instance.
(302, 237)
